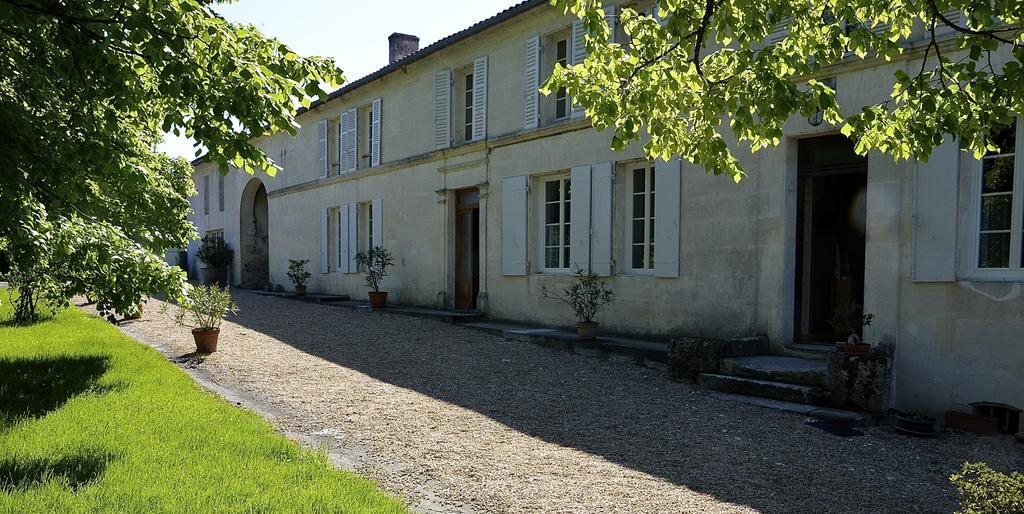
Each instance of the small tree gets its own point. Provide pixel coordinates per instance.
(984, 490)
(585, 295)
(215, 251)
(849, 320)
(375, 262)
(297, 272)
(203, 307)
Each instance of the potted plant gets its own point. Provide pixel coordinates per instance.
(913, 423)
(375, 263)
(203, 308)
(586, 294)
(217, 255)
(298, 275)
(850, 320)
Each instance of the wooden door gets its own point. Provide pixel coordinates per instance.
(467, 248)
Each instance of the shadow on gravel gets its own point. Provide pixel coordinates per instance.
(636, 418)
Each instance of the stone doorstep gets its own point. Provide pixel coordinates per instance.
(645, 353)
(793, 393)
(791, 370)
(838, 416)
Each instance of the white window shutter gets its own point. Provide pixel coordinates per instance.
(480, 98)
(375, 142)
(601, 186)
(579, 54)
(442, 108)
(321, 147)
(531, 83)
(513, 225)
(348, 141)
(935, 215)
(353, 236)
(579, 219)
(325, 240)
(666, 218)
(343, 249)
(378, 222)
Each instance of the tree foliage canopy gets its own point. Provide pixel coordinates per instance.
(704, 72)
(88, 90)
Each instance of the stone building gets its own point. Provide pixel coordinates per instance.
(487, 191)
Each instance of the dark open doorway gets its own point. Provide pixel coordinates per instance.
(254, 239)
(830, 239)
(467, 248)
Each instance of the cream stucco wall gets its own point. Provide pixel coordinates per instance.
(956, 342)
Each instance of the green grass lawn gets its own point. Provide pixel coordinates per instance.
(92, 421)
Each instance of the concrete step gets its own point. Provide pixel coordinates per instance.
(842, 417)
(782, 391)
(791, 370)
(808, 351)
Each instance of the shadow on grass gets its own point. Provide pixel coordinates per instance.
(72, 471)
(33, 387)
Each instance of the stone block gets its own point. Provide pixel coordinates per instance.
(691, 356)
(862, 383)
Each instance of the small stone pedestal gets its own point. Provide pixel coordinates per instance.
(862, 383)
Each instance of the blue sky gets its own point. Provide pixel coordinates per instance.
(354, 33)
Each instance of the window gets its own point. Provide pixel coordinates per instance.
(642, 220)
(469, 108)
(1000, 207)
(220, 192)
(561, 97)
(557, 196)
(206, 194)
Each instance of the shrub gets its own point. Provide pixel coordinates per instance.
(585, 295)
(375, 262)
(986, 491)
(215, 252)
(203, 307)
(297, 271)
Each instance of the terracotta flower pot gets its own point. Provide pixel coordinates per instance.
(377, 298)
(217, 276)
(206, 339)
(300, 290)
(587, 330)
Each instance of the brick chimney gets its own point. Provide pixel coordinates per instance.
(401, 45)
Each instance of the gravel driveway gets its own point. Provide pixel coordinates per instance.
(455, 419)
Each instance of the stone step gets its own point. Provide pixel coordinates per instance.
(782, 391)
(791, 370)
(838, 416)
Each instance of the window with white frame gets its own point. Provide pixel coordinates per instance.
(1000, 205)
(468, 102)
(561, 96)
(220, 192)
(641, 226)
(206, 194)
(557, 205)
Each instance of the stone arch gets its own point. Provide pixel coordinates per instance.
(254, 240)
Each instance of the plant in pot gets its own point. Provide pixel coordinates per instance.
(586, 295)
(298, 275)
(375, 263)
(850, 320)
(913, 423)
(217, 255)
(203, 308)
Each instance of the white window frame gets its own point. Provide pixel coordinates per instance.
(220, 192)
(206, 194)
(562, 95)
(1012, 273)
(648, 169)
(467, 125)
(564, 223)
